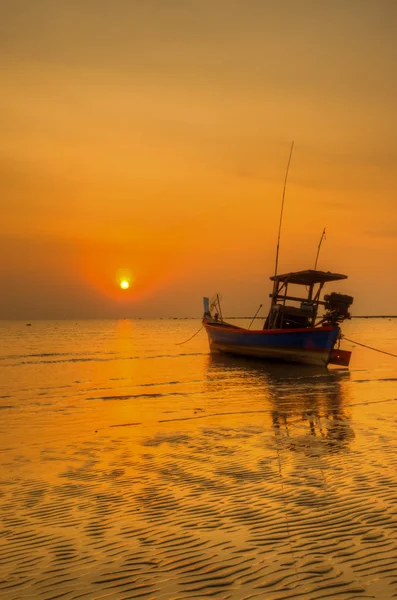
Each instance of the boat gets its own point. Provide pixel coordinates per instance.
(294, 330)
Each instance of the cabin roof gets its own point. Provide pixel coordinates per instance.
(309, 277)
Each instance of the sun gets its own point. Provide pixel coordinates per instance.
(124, 284)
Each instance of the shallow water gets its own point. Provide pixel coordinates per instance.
(132, 467)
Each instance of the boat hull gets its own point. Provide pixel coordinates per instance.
(312, 346)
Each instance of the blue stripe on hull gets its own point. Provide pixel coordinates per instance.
(303, 346)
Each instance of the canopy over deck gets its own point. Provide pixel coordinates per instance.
(309, 277)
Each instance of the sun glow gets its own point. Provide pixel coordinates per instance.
(124, 284)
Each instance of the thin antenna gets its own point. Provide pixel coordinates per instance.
(319, 247)
(282, 210)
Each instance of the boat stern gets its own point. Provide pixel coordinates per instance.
(339, 357)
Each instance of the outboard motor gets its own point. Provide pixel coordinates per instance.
(337, 307)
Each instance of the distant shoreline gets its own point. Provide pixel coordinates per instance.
(375, 317)
(29, 322)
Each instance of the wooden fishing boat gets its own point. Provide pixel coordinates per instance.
(293, 332)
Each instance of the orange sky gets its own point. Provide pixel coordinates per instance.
(151, 139)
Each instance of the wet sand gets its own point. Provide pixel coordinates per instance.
(133, 470)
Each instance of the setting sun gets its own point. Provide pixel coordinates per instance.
(124, 285)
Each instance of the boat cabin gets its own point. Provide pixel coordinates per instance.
(304, 312)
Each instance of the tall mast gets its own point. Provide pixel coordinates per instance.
(282, 210)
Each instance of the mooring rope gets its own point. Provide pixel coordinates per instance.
(188, 340)
(369, 347)
(343, 337)
(283, 497)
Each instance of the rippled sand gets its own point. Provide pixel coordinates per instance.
(135, 468)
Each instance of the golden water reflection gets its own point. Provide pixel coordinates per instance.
(136, 468)
(307, 404)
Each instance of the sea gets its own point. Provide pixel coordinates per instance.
(136, 466)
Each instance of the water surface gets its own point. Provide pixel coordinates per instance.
(133, 467)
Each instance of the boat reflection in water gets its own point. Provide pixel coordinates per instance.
(308, 405)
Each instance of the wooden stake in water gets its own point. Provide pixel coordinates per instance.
(282, 210)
